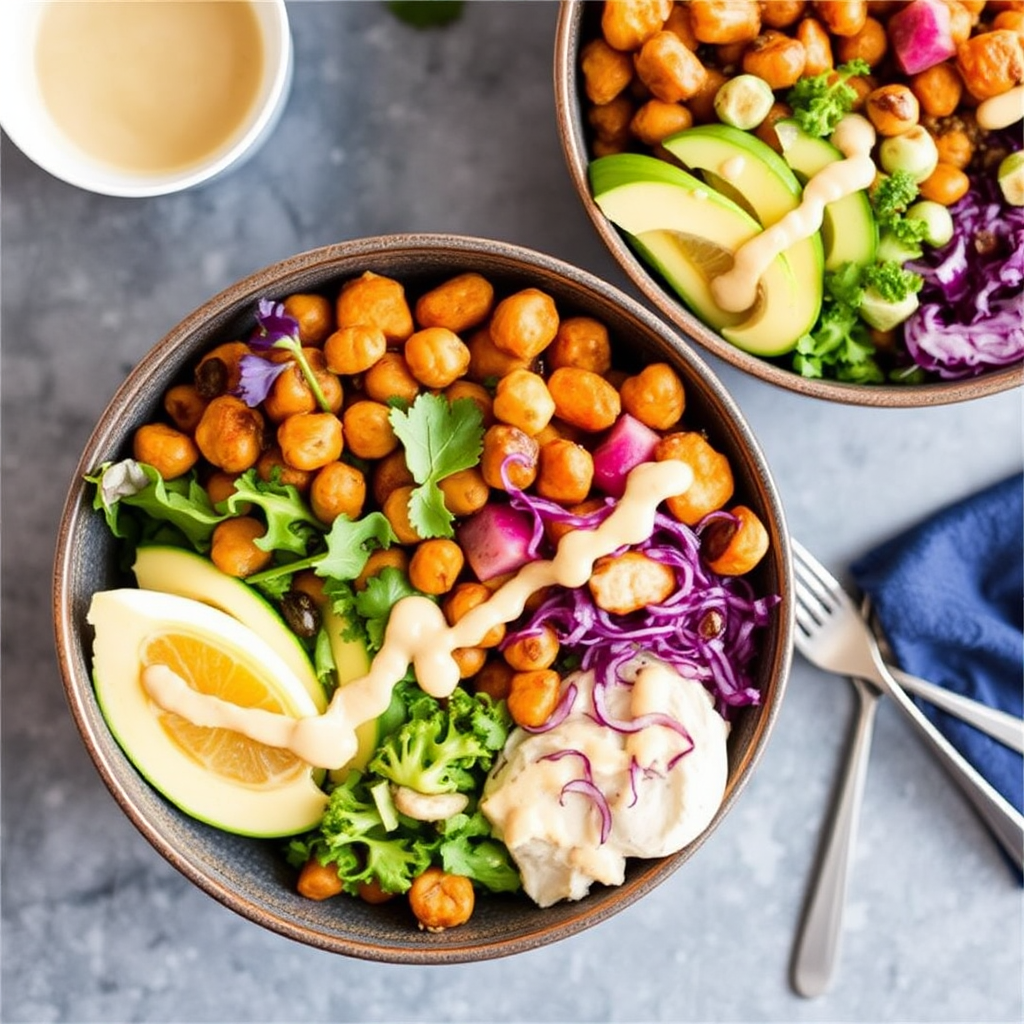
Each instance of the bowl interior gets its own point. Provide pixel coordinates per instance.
(250, 876)
(578, 22)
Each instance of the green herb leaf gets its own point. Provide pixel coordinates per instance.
(374, 603)
(290, 521)
(426, 13)
(440, 438)
(820, 102)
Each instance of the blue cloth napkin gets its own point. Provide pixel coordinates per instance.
(949, 594)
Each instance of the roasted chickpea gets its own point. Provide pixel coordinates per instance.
(1011, 20)
(533, 696)
(375, 301)
(396, 510)
(459, 303)
(655, 396)
(494, 679)
(725, 21)
(625, 583)
(165, 448)
(338, 489)
(315, 316)
(606, 71)
(230, 434)
(955, 147)
(383, 558)
(390, 377)
(991, 63)
(584, 398)
(309, 440)
(465, 492)
(218, 372)
(702, 103)
(611, 121)
(436, 356)
(440, 900)
(607, 147)
(319, 881)
(870, 44)
(766, 132)
(555, 531)
(565, 472)
(625, 24)
(961, 22)
(185, 406)
(583, 342)
(435, 565)
(487, 362)
(779, 60)
(470, 660)
(945, 185)
(938, 89)
(390, 473)
(220, 486)
(522, 400)
(817, 43)
(367, 428)
(671, 70)
(842, 17)
(892, 109)
(372, 892)
(463, 598)
(233, 546)
(466, 389)
(354, 349)
(501, 441)
(272, 466)
(679, 22)
(782, 13)
(712, 483)
(525, 323)
(290, 393)
(734, 547)
(535, 651)
(656, 120)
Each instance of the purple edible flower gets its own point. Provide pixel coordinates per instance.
(273, 324)
(256, 378)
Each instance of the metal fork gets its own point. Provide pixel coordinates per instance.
(832, 634)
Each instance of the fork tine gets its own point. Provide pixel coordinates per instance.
(816, 578)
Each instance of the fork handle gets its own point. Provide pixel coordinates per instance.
(1004, 821)
(818, 946)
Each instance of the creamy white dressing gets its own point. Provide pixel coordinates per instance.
(733, 168)
(1001, 111)
(736, 289)
(418, 635)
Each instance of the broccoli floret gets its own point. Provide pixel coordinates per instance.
(892, 196)
(891, 281)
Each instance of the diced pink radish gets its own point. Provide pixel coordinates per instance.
(496, 540)
(921, 35)
(628, 443)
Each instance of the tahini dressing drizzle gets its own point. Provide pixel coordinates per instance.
(418, 635)
(1001, 111)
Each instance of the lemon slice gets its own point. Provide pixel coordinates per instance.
(216, 775)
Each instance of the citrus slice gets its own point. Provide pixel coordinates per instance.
(216, 775)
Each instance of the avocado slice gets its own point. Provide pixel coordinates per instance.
(848, 228)
(689, 232)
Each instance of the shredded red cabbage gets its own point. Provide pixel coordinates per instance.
(971, 316)
(600, 801)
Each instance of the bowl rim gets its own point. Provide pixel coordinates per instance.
(568, 112)
(76, 677)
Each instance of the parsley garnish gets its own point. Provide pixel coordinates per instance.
(820, 102)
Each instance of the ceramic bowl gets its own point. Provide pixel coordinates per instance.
(579, 21)
(251, 876)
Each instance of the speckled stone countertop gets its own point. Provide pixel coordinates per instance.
(392, 130)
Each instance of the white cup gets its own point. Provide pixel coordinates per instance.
(30, 122)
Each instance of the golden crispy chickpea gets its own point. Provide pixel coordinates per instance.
(463, 598)
(955, 147)
(656, 120)
(559, 429)
(655, 396)
(458, 304)
(440, 900)
(607, 147)
(991, 63)
(233, 546)
(778, 59)
(625, 24)
(370, 891)
(390, 473)
(945, 185)
(309, 440)
(396, 510)
(470, 660)
(220, 486)
(487, 362)
(168, 450)
(501, 441)
(435, 565)
(817, 44)
(338, 489)
(522, 400)
(938, 89)
(315, 316)
(535, 651)
(611, 121)
(583, 342)
(584, 398)
(766, 132)
(870, 44)
(230, 434)
(467, 389)
(494, 679)
(436, 356)
(862, 86)
(555, 531)
(367, 428)
(379, 560)
(290, 393)
(375, 301)
(782, 13)
(606, 71)
(354, 349)
(1011, 20)
(702, 103)
(679, 22)
(319, 881)
(271, 466)
(525, 323)
(565, 472)
(533, 696)
(712, 483)
(625, 583)
(390, 377)
(892, 109)
(671, 70)
(961, 22)
(465, 492)
(725, 21)
(733, 548)
(185, 406)
(218, 372)
(842, 17)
